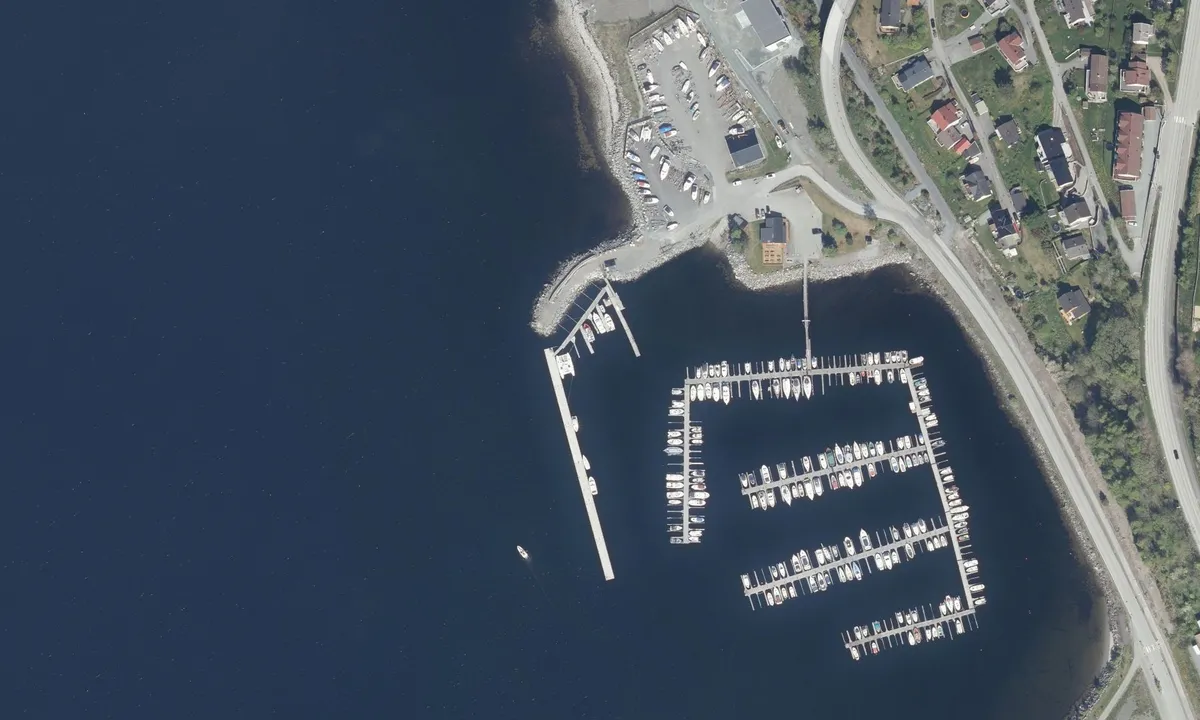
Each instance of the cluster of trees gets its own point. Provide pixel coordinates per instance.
(1103, 380)
(873, 135)
(804, 69)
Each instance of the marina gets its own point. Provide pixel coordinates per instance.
(593, 321)
(858, 556)
(852, 559)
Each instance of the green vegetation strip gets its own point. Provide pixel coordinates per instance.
(873, 135)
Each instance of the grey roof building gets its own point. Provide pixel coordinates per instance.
(915, 72)
(1075, 247)
(889, 16)
(767, 22)
(1055, 153)
(1003, 228)
(772, 230)
(1009, 133)
(744, 149)
(1072, 305)
(976, 184)
(1074, 213)
(1019, 201)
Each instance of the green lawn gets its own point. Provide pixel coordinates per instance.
(877, 50)
(1114, 21)
(950, 19)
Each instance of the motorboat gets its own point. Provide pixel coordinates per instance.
(674, 486)
(847, 452)
(821, 584)
(786, 492)
(675, 476)
(837, 554)
(782, 569)
(907, 530)
(891, 376)
(806, 385)
(910, 551)
(770, 366)
(878, 561)
(958, 625)
(869, 450)
(858, 575)
(857, 450)
(753, 502)
(765, 473)
(787, 388)
(774, 572)
(854, 651)
(837, 451)
(895, 533)
(775, 387)
(673, 450)
(796, 564)
(770, 599)
(874, 647)
(674, 502)
(817, 487)
(822, 558)
(746, 581)
(878, 376)
(929, 544)
(692, 393)
(756, 390)
(808, 489)
(697, 502)
(782, 469)
(976, 588)
(921, 525)
(725, 394)
(887, 561)
(858, 477)
(724, 368)
(981, 600)
(674, 441)
(892, 464)
(771, 498)
(699, 488)
(879, 447)
(791, 589)
(871, 470)
(822, 461)
(903, 375)
(674, 494)
(842, 479)
(829, 458)
(908, 442)
(864, 539)
(804, 561)
(745, 479)
(841, 574)
(849, 544)
(708, 391)
(806, 463)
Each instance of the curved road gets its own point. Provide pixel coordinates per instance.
(1171, 700)
(1175, 148)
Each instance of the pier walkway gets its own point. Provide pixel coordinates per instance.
(820, 475)
(765, 583)
(892, 633)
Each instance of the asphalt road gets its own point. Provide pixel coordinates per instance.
(1176, 143)
(1171, 701)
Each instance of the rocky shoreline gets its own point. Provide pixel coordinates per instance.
(613, 115)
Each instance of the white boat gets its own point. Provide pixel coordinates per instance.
(787, 388)
(674, 502)
(765, 473)
(654, 151)
(753, 502)
(674, 486)
(724, 363)
(808, 488)
(821, 584)
(887, 561)
(917, 361)
(921, 525)
(908, 442)
(857, 450)
(976, 588)
(878, 561)
(864, 539)
(822, 461)
(633, 157)
(841, 574)
(694, 502)
(725, 394)
(522, 552)
(891, 376)
(837, 452)
(857, 477)
(775, 387)
(903, 375)
(910, 551)
(664, 169)
(892, 464)
(700, 495)
(806, 385)
(804, 561)
(771, 498)
(879, 447)
(854, 651)
(692, 393)
(858, 574)
(807, 463)
(849, 544)
(671, 494)
(699, 487)
(675, 411)
(608, 322)
(673, 450)
(746, 581)
(756, 389)
(675, 476)
(708, 391)
(871, 469)
(588, 335)
(674, 441)
(770, 599)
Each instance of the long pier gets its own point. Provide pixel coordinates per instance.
(924, 623)
(559, 364)
(768, 582)
(822, 475)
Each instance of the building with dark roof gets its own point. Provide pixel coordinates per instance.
(1019, 201)
(773, 237)
(1073, 306)
(744, 148)
(1003, 228)
(1055, 155)
(1074, 213)
(975, 183)
(1127, 151)
(890, 12)
(1008, 132)
(767, 22)
(915, 72)
(1096, 77)
(1079, 12)
(1012, 47)
(1075, 247)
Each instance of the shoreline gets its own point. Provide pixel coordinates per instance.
(612, 115)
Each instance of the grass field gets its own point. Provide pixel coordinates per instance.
(950, 19)
(878, 50)
(874, 137)
(844, 231)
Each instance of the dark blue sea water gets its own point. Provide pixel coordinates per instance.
(273, 419)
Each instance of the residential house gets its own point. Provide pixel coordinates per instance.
(945, 117)
(1003, 228)
(1019, 201)
(1143, 33)
(1127, 154)
(1079, 12)
(1135, 77)
(1129, 206)
(1012, 47)
(968, 150)
(976, 184)
(767, 21)
(1074, 213)
(1073, 306)
(1054, 153)
(773, 237)
(890, 12)
(914, 73)
(1096, 77)
(1075, 247)
(1008, 133)
(977, 44)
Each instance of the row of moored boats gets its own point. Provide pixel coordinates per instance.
(598, 322)
(919, 628)
(842, 466)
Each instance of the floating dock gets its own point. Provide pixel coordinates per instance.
(910, 627)
(593, 322)
(824, 567)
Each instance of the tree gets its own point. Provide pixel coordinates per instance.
(1002, 77)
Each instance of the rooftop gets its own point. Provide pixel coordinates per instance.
(773, 229)
(915, 71)
(1136, 74)
(1097, 80)
(945, 116)
(1008, 132)
(1143, 33)
(767, 21)
(977, 44)
(1012, 47)
(1127, 155)
(1073, 304)
(1074, 211)
(1075, 247)
(744, 149)
(1128, 205)
(976, 184)
(889, 14)
(1019, 201)
(1078, 12)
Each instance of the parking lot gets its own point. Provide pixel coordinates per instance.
(689, 116)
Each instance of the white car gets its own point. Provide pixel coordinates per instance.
(667, 209)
